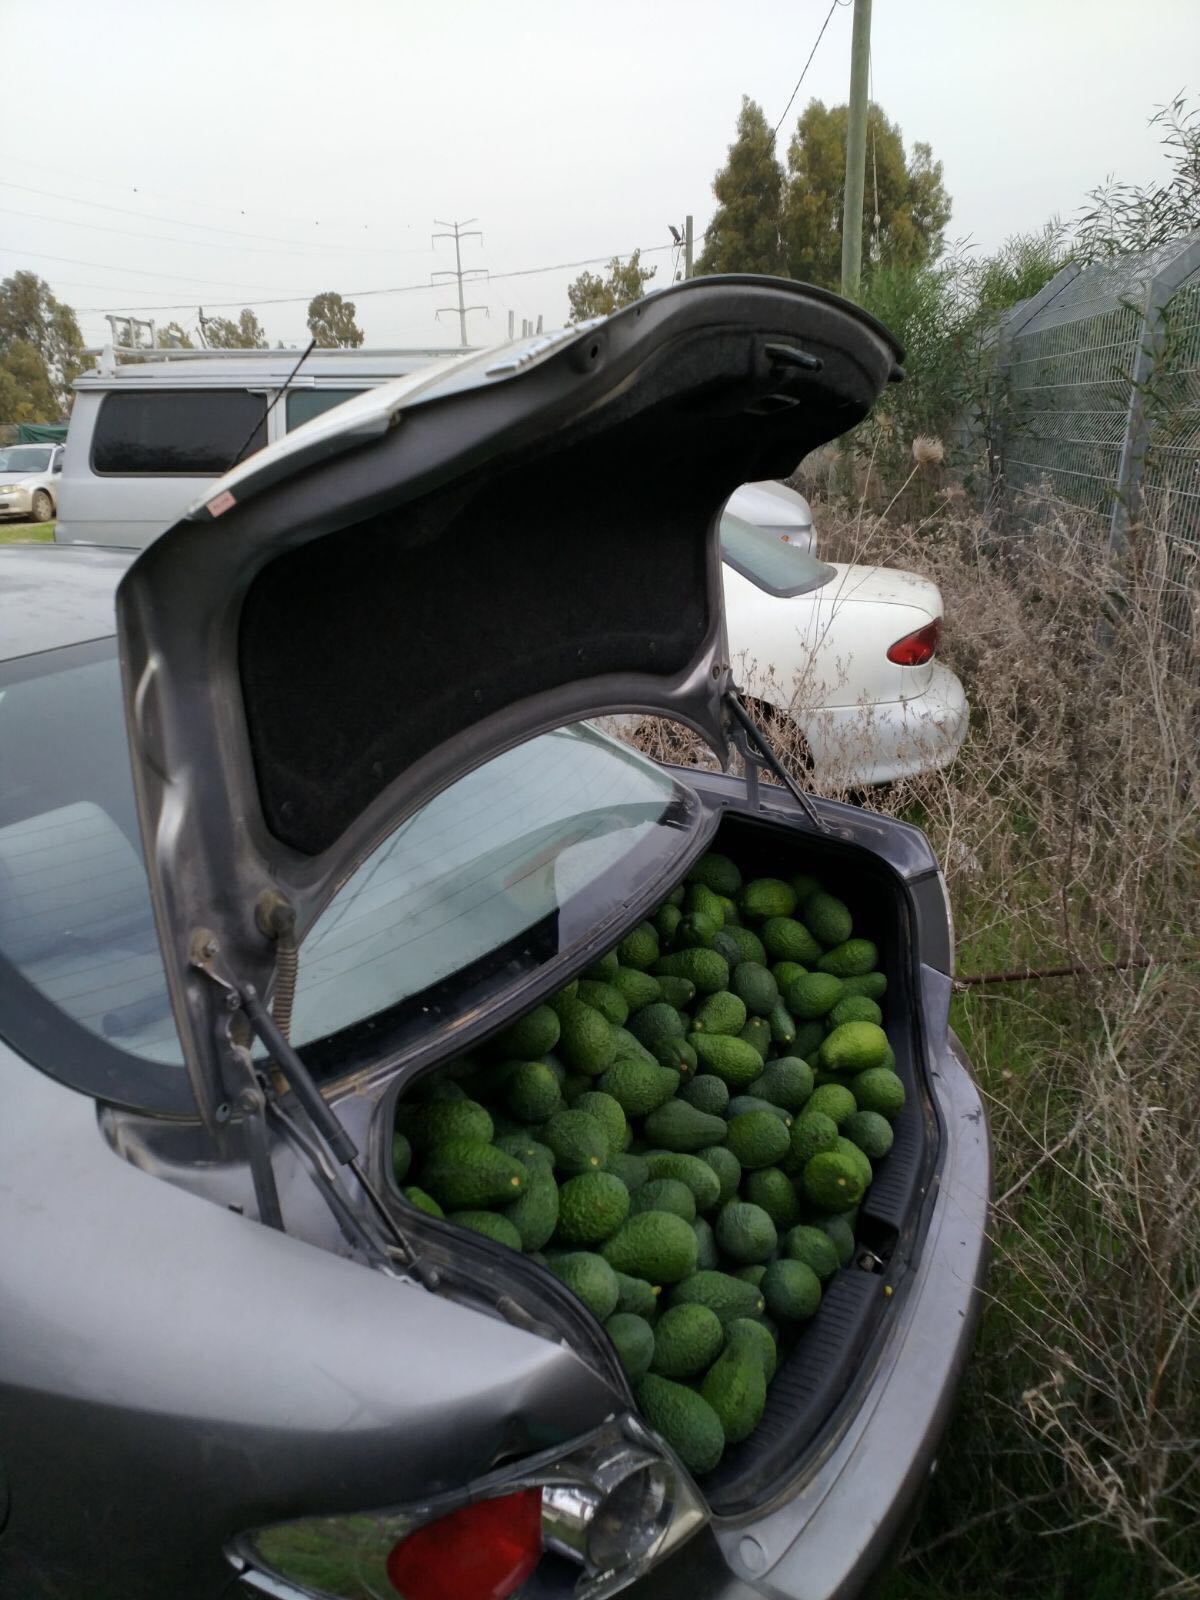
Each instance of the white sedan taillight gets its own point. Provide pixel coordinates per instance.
(916, 648)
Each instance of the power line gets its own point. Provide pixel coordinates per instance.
(403, 288)
(140, 272)
(206, 205)
(195, 244)
(182, 222)
(807, 64)
(837, 5)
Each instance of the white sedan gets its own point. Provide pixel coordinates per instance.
(846, 653)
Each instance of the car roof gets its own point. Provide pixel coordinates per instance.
(56, 595)
(215, 369)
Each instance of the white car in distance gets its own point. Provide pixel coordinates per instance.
(777, 509)
(847, 653)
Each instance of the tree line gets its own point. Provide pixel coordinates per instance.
(784, 218)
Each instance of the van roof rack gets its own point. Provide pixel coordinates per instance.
(108, 357)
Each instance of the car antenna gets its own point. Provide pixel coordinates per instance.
(262, 421)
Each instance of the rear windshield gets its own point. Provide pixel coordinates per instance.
(510, 866)
(193, 433)
(769, 561)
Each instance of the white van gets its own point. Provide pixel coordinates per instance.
(147, 436)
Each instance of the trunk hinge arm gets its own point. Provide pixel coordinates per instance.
(756, 752)
(260, 1095)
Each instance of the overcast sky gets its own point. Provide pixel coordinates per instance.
(166, 157)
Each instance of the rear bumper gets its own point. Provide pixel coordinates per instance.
(881, 741)
(845, 1520)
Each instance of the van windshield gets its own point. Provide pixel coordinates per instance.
(510, 866)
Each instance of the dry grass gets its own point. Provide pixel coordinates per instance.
(1068, 831)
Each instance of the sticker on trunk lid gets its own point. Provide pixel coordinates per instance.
(220, 503)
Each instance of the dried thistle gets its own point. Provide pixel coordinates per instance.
(927, 452)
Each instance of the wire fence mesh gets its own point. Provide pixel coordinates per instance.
(1100, 404)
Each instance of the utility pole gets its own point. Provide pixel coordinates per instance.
(458, 235)
(687, 246)
(856, 149)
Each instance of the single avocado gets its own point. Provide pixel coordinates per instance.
(792, 1290)
(530, 1037)
(853, 959)
(591, 1207)
(733, 1060)
(716, 872)
(812, 995)
(605, 998)
(720, 1013)
(745, 1233)
(766, 897)
(827, 919)
(639, 947)
(490, 1224)
(591, 1278)
(679, 1126)
(586, 1043)
(728, 1296)
(467, 1174)
(639, 1087)
(535, 1214)
(786, 939)
(687, 1340)
(758, 1138)
(735, 1386)
(653, 1245)
(633, 1340)
(685, 1420)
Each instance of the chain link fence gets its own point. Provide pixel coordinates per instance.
(1100, 407)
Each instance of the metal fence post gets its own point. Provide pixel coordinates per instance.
(1126, 508)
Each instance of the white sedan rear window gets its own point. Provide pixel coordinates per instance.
(770, 561)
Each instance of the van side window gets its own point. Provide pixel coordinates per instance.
(195, 433)
(305, 404)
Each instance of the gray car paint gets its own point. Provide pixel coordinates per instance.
(172, 1342)
(192, 1373)
(46, 603)
(211, 857)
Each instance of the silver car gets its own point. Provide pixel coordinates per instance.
(310, 812)
(30, 475)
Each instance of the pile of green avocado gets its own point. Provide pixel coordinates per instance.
(682, 1135)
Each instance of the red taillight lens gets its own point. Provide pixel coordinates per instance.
(915, 649)
(483, 1551)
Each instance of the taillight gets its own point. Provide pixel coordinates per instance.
(915, 649)
(483, 1551)
(600, 1511)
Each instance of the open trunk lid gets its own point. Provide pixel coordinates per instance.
(431, 574)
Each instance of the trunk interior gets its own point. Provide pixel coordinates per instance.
(817, 1379)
